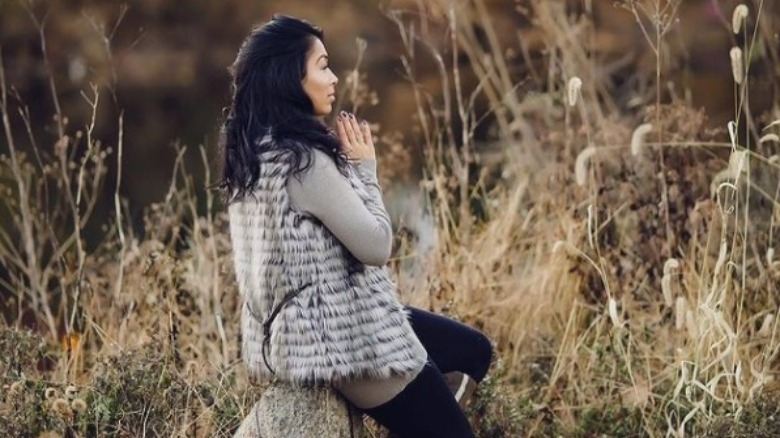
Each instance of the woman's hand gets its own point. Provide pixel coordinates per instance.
(356, 140)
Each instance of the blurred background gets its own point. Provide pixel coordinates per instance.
(559, 172)
(163, 64)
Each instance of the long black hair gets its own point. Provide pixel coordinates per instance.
(268, 97)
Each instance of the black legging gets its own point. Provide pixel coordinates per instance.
(426, 407)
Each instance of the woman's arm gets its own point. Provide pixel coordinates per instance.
(325, 193)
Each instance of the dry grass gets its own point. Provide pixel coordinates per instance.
(645, 287)
(639, 302)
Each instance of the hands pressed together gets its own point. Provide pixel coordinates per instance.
(356, 140)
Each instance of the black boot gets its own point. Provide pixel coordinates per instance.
(462, 387)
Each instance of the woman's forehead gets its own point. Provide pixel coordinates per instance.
(318, 48)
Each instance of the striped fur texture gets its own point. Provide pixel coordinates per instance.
(344, 325)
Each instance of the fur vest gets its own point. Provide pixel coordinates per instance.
(343, 323)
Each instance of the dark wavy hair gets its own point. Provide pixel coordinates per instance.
(268, 97)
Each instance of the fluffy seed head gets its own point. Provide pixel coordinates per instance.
(49, 393)
(732, 127)
(670, 264)
(738, 161)
(690, 324)
(78, 405)
(638, 138)
(774, 123)
(573, 88)
(666, 281)
(613, 313)
(565, 247)
(590, 225)
(766, 326)
(61, 407)
(581, 165)
(680, 310)
(738, 377)
(739, 17)
(769, 137)
(736, 64)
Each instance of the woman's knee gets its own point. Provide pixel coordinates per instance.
(484, 353)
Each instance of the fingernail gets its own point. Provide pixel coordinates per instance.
(343, 114)
(363, 122)
(352, 116)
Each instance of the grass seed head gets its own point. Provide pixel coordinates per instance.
(613, 313)
(737, 162)
(573, 88)
(736, 64)
(680, 310)
(62, 407)
(739, 17)
(666, 281)
(774, 123)
(78, 405)
(769, 137)
(690, 324)
(638, 138)
(666, 289)
(670, 265)
(732, 127)
(564, 247)
(581, 165)
(766, 326)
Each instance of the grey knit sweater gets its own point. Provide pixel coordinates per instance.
(324, 192)
(342, 325)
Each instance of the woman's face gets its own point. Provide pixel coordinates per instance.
(319, 82)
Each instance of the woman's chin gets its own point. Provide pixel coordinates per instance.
(324, 111)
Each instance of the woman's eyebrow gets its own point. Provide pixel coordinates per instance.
(323, 56)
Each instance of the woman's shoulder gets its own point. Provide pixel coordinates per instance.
(317, 168)
(321, 159)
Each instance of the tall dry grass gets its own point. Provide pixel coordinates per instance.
(625, 259)
(135, 336)
(622, 259)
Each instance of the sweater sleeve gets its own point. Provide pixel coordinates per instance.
(325, 193)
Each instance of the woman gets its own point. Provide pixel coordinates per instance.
(311, 238)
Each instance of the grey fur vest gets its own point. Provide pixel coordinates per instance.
(340, 325)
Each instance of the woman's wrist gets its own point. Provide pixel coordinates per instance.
(366, 168)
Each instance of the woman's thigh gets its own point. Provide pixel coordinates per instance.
(451, 345)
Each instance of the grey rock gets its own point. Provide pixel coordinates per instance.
(286, 411)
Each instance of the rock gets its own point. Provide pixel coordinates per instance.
(286, 410)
